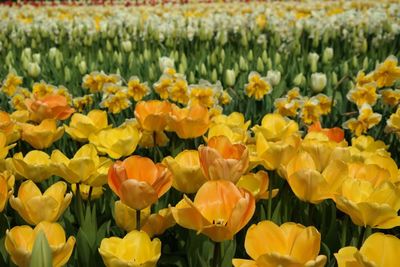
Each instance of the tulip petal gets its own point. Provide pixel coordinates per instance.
(137, 194)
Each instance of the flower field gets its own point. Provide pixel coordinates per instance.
(191, 134)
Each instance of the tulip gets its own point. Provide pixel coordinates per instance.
(20, 239)
(116, 142)
(35, 166)
(136, 249)
(219, 210)
(85, 167)
(6, 188)
(35, 207)
(125, 217)
(287, 245)
(221, 159)
(186, 170)
(43, 135)
(8, 128)
(152, 139)
(257, 185)
(378, 250)
(3, 147)
(51, 106)
(189, 122)
(232, 126)
(372, 173)
(335, 134)
(138, 181)
(81, 126)
(152, 115)
(369, 206)
(318, 82)
(158, 223)
(86, 190)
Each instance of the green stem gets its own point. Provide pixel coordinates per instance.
(79, 205)
(217, 255)
(90, 193)
(269, 210)
(344, 232)
(138, 220)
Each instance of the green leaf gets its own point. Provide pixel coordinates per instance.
(41, 252)
(83, 248)
(228, 252)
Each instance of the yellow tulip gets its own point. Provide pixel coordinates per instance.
(219, 210)
(368, 206)
(116, 142)
(189, 122)
(257, 185)
(186, 170)
(378, 250)
(85, 167)
(138, 181)
(8, 127)
(125, 217)
(368, 172)
(221, 159)
(35, 207)
(275, 127)
(36, 165)
(136, 249)
(84, 190)
(232, 126)
(20, 240)
(6, 188)
(81, 126)
(3, 146)
(152, 139)
(153, 115)
(43, 135)
(311, 185)
(288, 245)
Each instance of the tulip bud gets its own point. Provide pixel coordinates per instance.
(191, 77)
(354, 62)
(236, 67)
(109, 46)
(243, 40)
(214, 75)
(365, 63)
(273, 77)
(126, 46)
(33, 69)
(230, 77)
(250, 56)
(146, 55)
(277, 58)
(222, 55)
(220, 69)
(213, 59)
(67, 74)
(364, 46)
(100, 57)
(269, 64)
(53, 53)
(165, 62)
(345, 68)
(264, 56)
(260, 65)
(334, 78)
(243, 64)
(299, 80)
(82, 67)
(313, 61)
(181, 68)
(318, 82)
(203, 70)
(9, 58)
(58, 63)
(41, 252)
(327, 55)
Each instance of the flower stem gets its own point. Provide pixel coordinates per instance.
(138, 220)
(217, 255)
(269, 210)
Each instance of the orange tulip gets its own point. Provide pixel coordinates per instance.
(49, 107)
(189, 122)
(153, 115)
(138, 181)
(219, 210)
(221, 159)
(334, 134)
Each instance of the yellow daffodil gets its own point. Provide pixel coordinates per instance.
(377, 250)
(136, 249)
(136, 89)
(258, 86)
(390, 97)
(366, 120)
(186, 170)
(35, 207)
(387, 72)
(365, 94)
(11, 84)
(204, 94)
(178, 91)
(35, 166)
(95, 81)
(219, 210)
(393, 123)
(20, 240)
(115, 103)
(286, 107)
(221, 159)
(287, 245)
(116, 142)
(43, 135)
(81, 126)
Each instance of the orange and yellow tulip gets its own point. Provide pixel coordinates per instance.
(189, 122)
(20, 240)
(288, 245)
(138, 181)
(51, 106)
(219, 210)
(153, 115)
(8, 127)
(35, 207)
(335, 134)
(3, 146)
(221, 159)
